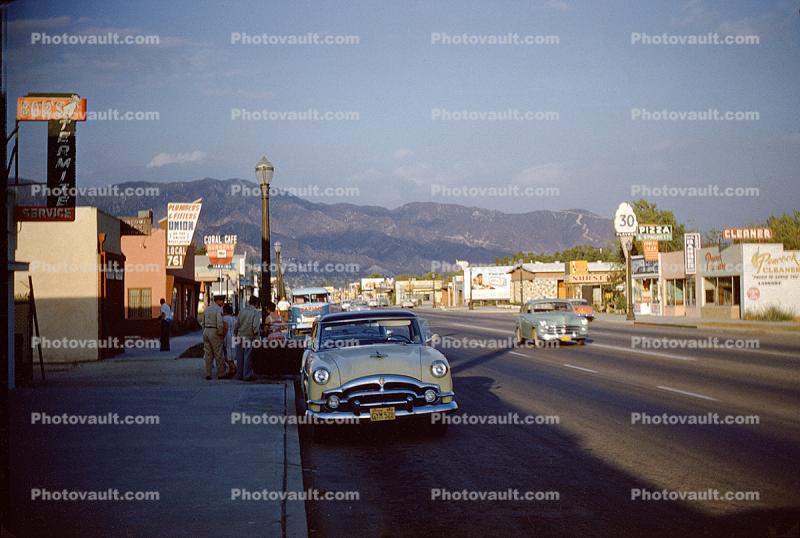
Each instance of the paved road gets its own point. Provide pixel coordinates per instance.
(595, 458)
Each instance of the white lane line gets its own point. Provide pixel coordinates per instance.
(519, 354)
(686, 393)
(642, 352)
(581, 369)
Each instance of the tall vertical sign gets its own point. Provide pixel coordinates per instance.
(181, 223)
(691, 246)
(61, 190)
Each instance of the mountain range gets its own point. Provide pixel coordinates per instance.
(408, 239)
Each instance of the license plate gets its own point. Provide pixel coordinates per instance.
(381, 413)
(565, 338)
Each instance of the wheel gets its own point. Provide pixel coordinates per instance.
(582, 342)
(518, 336)
(535, 339)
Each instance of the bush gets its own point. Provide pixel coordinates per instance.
(770, 313)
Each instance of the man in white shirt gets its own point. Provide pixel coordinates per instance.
(283, 309)
(166, 321)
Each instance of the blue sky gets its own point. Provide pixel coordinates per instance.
(395, 77)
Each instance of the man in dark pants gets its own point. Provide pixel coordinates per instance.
(166, 321)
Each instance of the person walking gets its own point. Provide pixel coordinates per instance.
(283, 309)
(247, 330)
(166, 321)
(229, 321)
(213, 332)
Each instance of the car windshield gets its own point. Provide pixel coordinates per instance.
(312, 298)
(551, 307)
(365, 332)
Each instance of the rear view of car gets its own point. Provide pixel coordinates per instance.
(308, 305)
(583, 308)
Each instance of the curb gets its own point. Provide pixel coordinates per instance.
(657, 324)
(295, 512)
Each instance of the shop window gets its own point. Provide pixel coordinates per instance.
(139, 303)
(725, 291)
(710, 288)
(675, 292)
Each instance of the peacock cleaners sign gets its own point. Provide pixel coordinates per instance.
(771, 277)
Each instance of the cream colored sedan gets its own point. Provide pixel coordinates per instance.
(374, 366)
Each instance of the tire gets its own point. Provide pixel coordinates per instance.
(535, 339)
(518, 336)
(582, 342)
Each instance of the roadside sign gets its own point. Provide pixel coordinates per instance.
(740, 234)
(654, 232)
(51, 108)
(650, 248)
(625, 220)
(181, 223)
(35, 213)
(691, 246)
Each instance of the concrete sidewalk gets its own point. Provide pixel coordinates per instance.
(702, 323)
(195, 458)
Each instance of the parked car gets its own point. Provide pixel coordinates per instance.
(407, 303)
(583, 308)
(346, 305)
(550, 320)
(375, 366)
(372, 303)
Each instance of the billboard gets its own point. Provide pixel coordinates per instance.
(745, 234)
(489, 283)
(51, 108)
(654, 232)
(181, 223)
(643, 268)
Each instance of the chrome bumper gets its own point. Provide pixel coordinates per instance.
(364, 415)
(405, 394)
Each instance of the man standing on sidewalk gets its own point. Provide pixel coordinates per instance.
(283, 309)
(213, 332)
(166, 321)
(246, 329)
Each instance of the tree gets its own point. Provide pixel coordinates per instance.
(648, 213)
(375, 275)
(786, 229)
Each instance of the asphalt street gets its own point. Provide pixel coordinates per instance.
(610, 471)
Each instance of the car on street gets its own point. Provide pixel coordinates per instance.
(407, 303)
(550, 320)
(358, 306)
(583, 308)
(308, 305)
(375, 366)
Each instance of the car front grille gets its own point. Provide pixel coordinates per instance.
(562, 329)
(397, 391)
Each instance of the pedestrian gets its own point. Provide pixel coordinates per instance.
(228, 321)
(165, 318)
(283, 309)
(213, 333)
(246, 327)
(274, 320)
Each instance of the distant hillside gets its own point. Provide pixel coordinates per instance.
(402, 240)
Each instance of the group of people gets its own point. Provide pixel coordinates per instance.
(226, 339)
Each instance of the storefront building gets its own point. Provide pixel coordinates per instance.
(78, 280)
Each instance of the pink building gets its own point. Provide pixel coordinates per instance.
(147, 281)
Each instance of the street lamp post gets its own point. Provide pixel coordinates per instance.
(434, 290)
(281, 292)
(264, 171)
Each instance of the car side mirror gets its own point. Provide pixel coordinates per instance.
(430, 339)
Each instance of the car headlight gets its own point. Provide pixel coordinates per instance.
(333, 401)
(438, 368)
(321, 376)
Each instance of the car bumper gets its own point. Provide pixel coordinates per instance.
(558, 337)
(364, 415)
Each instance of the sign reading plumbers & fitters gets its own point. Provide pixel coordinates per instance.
(181, 223)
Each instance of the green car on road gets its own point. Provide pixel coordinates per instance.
(545, 321)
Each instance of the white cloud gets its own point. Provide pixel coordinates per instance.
(558, 5)
(163, 159)
(403, 153)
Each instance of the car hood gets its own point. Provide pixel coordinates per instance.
(355, 362)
